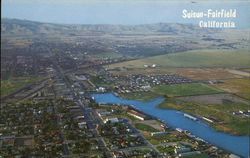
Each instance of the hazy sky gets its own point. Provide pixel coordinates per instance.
(116, 12)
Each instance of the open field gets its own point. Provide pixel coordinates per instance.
(184, 89)
(171, 137)
(145, 127)
(194, 58)
(140, 96)
(171, 90)
(239, 87)
(238, 72)
(246, 70)
(154, 123)
(213, 99)
(11, 85)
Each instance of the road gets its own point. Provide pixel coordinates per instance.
(87, 111)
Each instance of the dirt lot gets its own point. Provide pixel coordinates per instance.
(241, 73)
(239, 87)
(153, 123)
(213, 99)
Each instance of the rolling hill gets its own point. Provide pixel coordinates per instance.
(26, 27)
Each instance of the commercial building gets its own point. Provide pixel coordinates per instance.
(137, 115)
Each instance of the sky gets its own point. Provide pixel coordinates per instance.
(117, 11)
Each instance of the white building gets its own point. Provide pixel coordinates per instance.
(101, 89)
(158, 133)
(136, 114)
(112, 120)
(82, 125)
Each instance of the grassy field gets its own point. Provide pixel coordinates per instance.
(13, 84)
(171, 137)
(184, 89)
(194, 58)
(140, 96)
(238, 86)
(225, 121)
(145, 127)
(164, 149)
(171, 90)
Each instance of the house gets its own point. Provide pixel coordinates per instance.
(146, 87)
(82, 125)
(81, 77)
(153, 65)
(105, 113)
(117, 154)
(79, 118)
(101, 89)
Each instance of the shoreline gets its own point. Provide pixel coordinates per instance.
(184, 132)
(165, 123)
(212, 125)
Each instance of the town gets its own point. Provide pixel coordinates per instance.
(154, 90)
(62, 119)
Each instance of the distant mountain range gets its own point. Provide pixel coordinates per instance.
(128, 40)
(26, 27)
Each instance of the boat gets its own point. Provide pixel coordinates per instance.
(190, 117)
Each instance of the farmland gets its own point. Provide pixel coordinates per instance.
(239, 87)
(194, 58)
